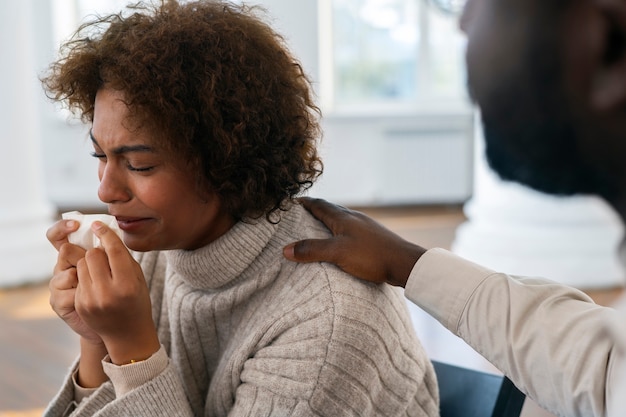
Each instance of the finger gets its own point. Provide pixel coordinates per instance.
(63, 301)
(64, 280)
(98, 264)
(57, 234)
(118, 259)
(83, 274)
(105, 234)
(63, 292)
(311, 250)
(69, 255)
(328, 213)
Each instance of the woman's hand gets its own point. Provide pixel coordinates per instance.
(112, 298)
(64, 282)
(63, 288)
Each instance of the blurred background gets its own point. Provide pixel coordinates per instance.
(389, 78)
(401, 142)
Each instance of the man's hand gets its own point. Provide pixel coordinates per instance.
(360, 246)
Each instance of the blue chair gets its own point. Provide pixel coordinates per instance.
(465, 392)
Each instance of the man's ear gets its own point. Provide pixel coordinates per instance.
(608, 89)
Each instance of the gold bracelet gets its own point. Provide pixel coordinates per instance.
(132, 361)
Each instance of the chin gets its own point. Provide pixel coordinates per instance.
(137, 245)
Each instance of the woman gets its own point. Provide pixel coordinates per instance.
(205, 131)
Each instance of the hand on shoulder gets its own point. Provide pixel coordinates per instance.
(359, 246)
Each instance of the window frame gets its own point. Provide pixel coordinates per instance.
(426, 104)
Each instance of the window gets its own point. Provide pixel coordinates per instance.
(390, 54)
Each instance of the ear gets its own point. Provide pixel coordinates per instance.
(608, 90)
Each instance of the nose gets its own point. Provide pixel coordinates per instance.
(469, 15)
(113, 185)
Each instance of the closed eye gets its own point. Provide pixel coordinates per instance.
(102, 157)
(143, 169)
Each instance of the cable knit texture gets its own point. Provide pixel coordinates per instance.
(251, 334)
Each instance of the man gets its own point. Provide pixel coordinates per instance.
(549, 78)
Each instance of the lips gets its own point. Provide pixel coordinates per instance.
(128, 224)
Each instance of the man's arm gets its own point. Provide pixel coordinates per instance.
(360, 246)
(551, 340)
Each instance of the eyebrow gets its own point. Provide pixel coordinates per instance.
(124, 149)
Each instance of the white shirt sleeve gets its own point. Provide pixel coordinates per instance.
(551, 340)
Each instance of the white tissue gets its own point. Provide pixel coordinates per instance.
(84, 237)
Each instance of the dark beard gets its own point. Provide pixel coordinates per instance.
(541, 154)
(544, 155)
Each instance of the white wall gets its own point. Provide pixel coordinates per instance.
(25, 213)
(70, 172)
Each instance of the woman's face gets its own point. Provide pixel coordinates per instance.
(155, 200)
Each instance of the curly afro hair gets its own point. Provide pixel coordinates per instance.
(213, 84)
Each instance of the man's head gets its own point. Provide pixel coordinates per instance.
(550, 80)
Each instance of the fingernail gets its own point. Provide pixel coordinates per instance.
(288, 251)
(71, 224)
(97, 226)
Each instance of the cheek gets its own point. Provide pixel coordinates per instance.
(156, 198)
(174, 202)
(100, 170)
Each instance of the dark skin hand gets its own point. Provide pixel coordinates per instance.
(359, 246)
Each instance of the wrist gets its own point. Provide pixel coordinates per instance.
(90, 373)
(132, 351)
(93, 347)
(406, 260)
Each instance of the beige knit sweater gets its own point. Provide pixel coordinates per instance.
(247, 333)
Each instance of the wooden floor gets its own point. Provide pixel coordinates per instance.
(36, 348)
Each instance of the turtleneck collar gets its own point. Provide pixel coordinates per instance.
(247, 248)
